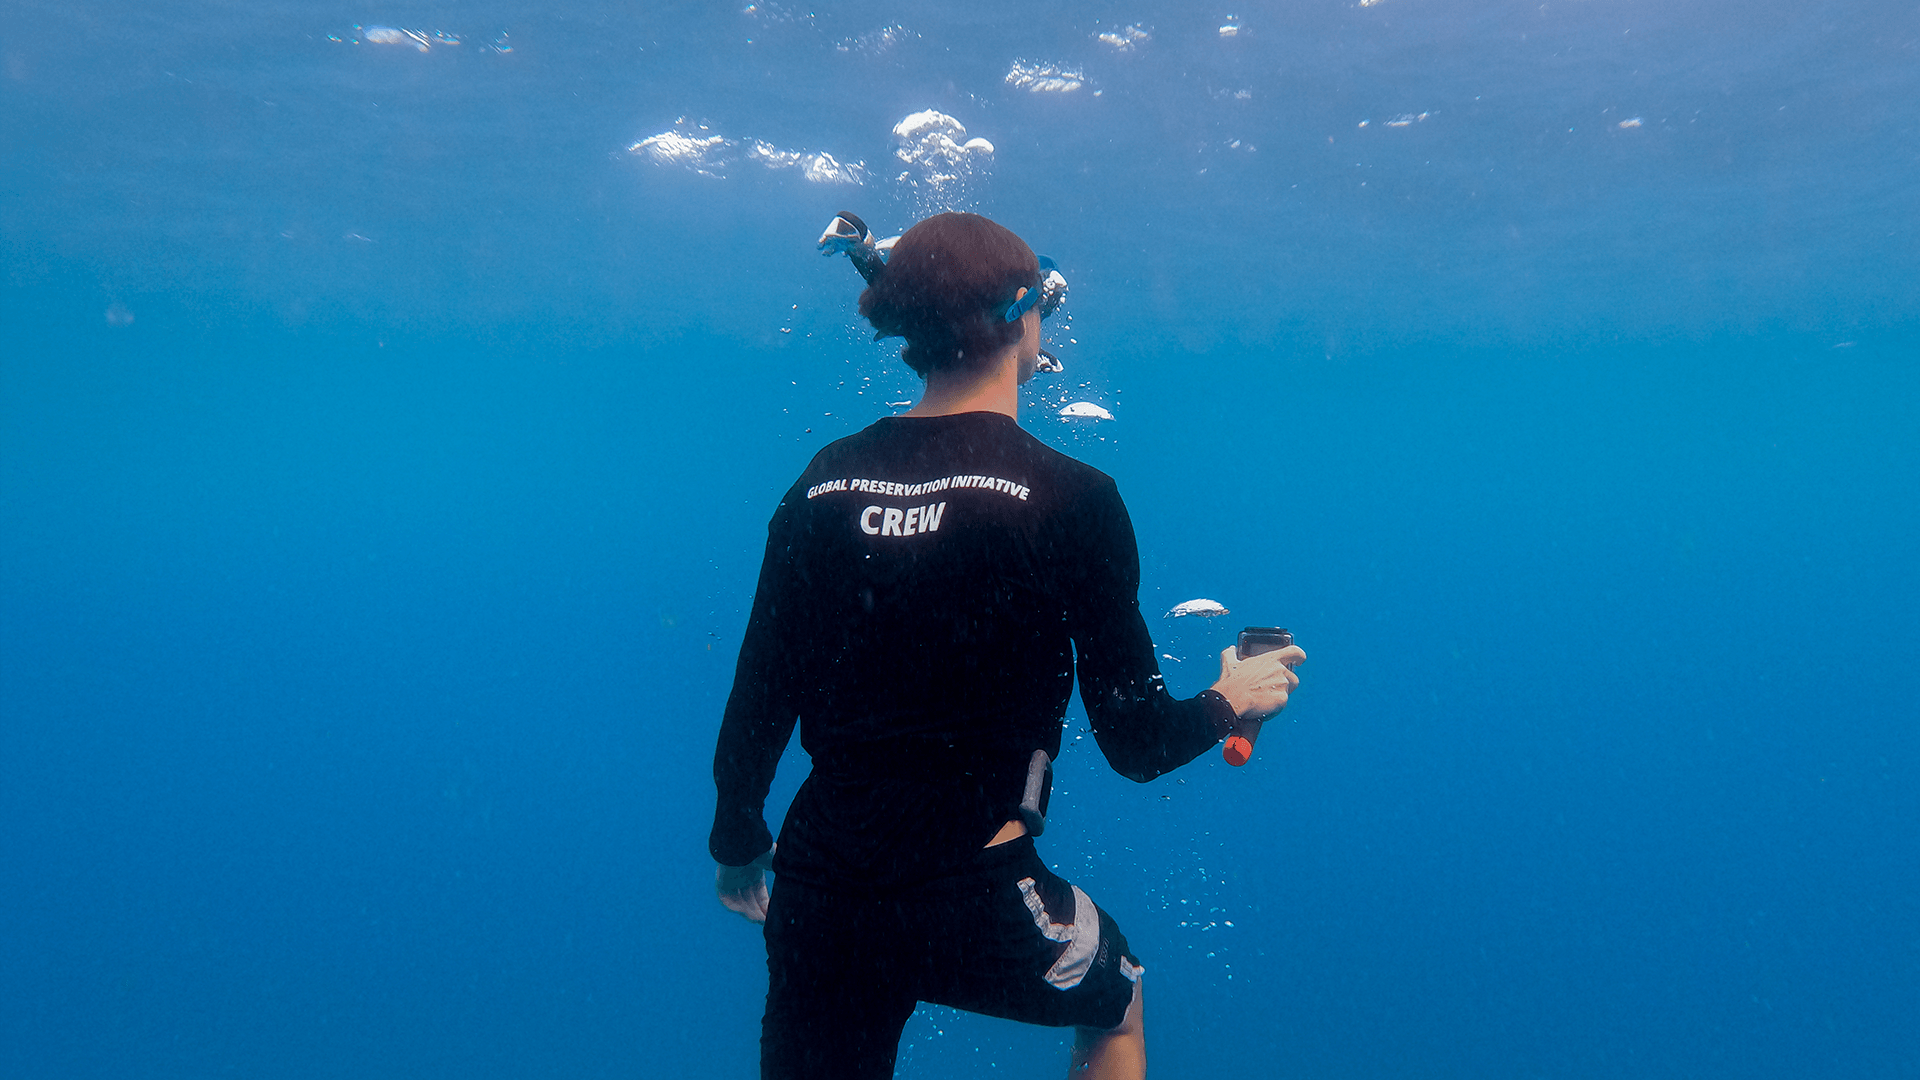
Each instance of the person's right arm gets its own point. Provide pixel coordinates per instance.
(756, 726)
(743, 889)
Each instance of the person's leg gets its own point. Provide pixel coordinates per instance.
(1113, 1053)
(1024, 944)
(835, 1008)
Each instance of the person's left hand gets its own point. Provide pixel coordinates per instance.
(743, 889)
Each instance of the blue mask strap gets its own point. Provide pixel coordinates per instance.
(1025, 304)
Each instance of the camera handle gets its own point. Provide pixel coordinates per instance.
(1033, 801)
(1238, 749)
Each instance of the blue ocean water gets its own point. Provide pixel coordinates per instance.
(388, 428)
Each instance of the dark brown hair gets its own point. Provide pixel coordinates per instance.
(946, 287)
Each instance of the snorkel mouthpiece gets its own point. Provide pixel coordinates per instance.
(1053, 287)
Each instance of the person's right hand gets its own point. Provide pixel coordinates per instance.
(1257, 687)
(743, 889)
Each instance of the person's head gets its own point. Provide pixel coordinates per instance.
(946, 287)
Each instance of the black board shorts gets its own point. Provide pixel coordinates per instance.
(1007, 938)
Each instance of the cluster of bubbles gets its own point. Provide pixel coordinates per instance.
(1403, 120)
(940, 161)
(875, 42)
(417, 40)
(699, 149)
(1045, 78)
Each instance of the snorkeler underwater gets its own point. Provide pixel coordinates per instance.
(1353, 539)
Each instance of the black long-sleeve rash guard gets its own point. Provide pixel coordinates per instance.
(927, 584)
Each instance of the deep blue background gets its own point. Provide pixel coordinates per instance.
(384, 453)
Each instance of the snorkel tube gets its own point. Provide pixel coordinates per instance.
(847, 235)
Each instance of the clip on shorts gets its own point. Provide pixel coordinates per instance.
(1008, 939)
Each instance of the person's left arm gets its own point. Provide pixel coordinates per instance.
(1143, 730)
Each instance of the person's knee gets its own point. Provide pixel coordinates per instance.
(1132, 1025)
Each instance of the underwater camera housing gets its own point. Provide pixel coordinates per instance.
(847, 235)
(1253, 641)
